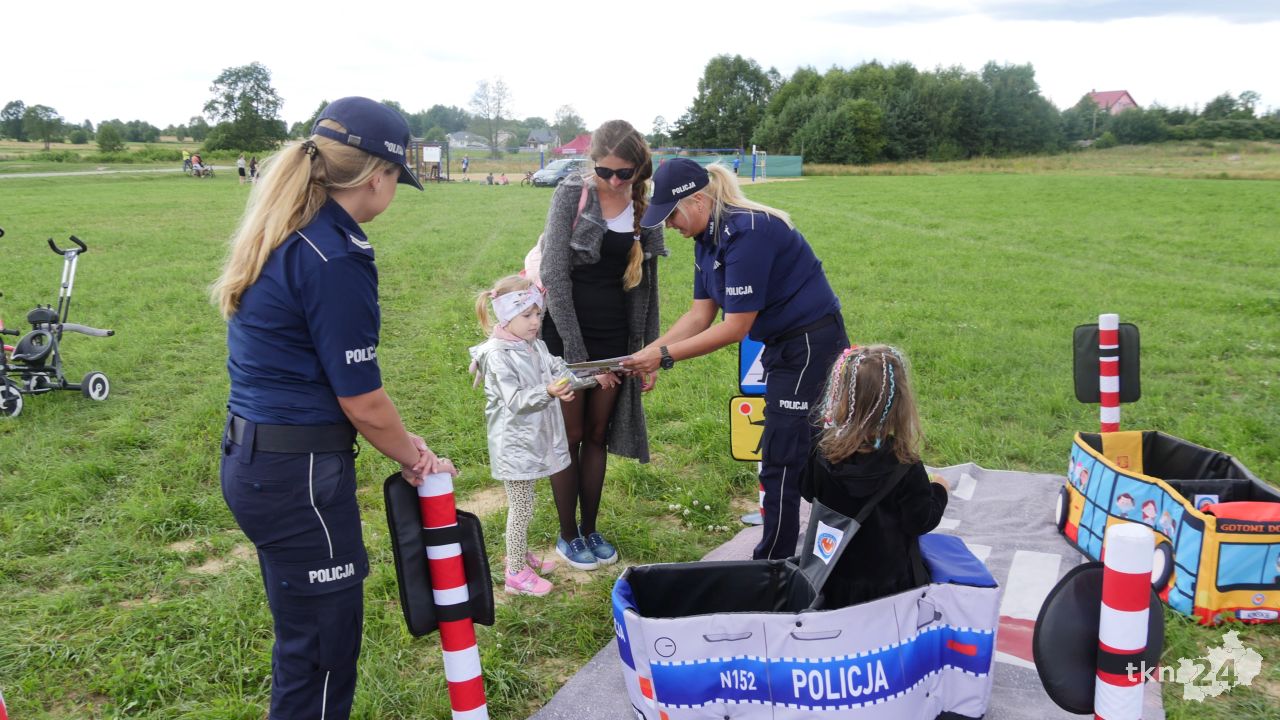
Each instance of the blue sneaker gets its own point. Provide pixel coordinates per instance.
(605, 553)
(576, 553)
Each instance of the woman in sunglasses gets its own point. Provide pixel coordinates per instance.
(600, 270)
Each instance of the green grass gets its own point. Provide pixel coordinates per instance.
(124, 587)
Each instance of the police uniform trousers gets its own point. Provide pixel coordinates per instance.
(299, 509)
(796, 365)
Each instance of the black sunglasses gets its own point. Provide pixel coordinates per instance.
(622, 173)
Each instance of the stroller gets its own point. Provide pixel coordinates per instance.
(34, 364)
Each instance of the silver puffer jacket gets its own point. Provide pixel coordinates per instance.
(526, 430)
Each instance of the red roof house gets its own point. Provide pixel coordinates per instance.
(1113, 101)
(578, 146)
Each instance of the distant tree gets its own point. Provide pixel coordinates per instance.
(489, 103)
(661, 134)
(1017, 118)
(41, 122)
(1081, 121)
(197, 128)
(1219, 108)
(850, 132)
(732, 95)
(568, 124)
(1136, 126)
(11, 120)
(78, 136)
(303, 128)
(246, 108)
(109, 140)
(1246, 103)
(450, 119)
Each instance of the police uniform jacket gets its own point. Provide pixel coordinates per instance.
(527, 438)
(754, 262)
(566, 246)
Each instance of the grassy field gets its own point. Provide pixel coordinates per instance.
(127, 591)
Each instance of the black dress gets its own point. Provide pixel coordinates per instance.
(599, 301)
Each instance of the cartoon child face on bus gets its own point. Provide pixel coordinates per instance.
(1167, 525)
(1149, 512)
(1124, 505)
(1081, 475)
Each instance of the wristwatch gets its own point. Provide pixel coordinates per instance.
(667, 362)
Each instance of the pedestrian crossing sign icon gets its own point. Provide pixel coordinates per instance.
(746, 427)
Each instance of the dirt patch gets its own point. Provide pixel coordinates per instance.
(184, 546)
(215, 566)
(139, 602)
(484, 502)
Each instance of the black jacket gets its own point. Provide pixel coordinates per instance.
(877, 561)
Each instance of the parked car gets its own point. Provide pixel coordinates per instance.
(557, 170)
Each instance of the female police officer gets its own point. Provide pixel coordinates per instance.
(750, 261)
(300, 294)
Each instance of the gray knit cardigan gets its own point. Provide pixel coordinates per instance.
(565, 247)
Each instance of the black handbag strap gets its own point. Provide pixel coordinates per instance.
(880, 494)
(819, 570)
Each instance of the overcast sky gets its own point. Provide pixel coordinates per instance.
(155, 61)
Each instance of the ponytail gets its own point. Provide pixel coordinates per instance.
(292, 186)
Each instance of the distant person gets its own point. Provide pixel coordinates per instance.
(753, 266)
(466, 163)
(524, 385)
(488, 179)
(197, 166)
(502, 179)
(240, 168)
(253, 169)
(870, 440)
(186, 160)
(299, 292)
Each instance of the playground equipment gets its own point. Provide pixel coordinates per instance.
(1217, 526)
(34, 365)
(752, 640)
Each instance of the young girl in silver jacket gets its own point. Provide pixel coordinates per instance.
(523, 386)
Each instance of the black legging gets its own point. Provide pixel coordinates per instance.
(586, 422)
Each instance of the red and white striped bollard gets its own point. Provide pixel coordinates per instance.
(449, 589)
(1122, 626)
(1109, 371)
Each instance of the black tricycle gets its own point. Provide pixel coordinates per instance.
(34, 364)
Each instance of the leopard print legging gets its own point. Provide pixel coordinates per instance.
(520, 495)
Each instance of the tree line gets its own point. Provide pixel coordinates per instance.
(872, 113)
(868, 113)
(243, 114)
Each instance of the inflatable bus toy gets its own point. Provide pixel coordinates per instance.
(751, 640)
(1217, 527)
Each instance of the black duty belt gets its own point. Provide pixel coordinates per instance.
(818, 324)
(293, 438)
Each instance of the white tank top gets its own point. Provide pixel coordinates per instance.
(625, 222)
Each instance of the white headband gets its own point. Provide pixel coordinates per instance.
(508, 306)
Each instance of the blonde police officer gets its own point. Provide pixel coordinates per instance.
(300, 295)
(753, 264)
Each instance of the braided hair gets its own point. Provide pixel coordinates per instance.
(868, 398)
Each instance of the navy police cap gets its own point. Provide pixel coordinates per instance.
(373, 127)
(674, 180)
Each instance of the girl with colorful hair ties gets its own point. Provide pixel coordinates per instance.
(870, 437)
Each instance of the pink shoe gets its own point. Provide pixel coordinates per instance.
(527, 582)
(542, 567)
